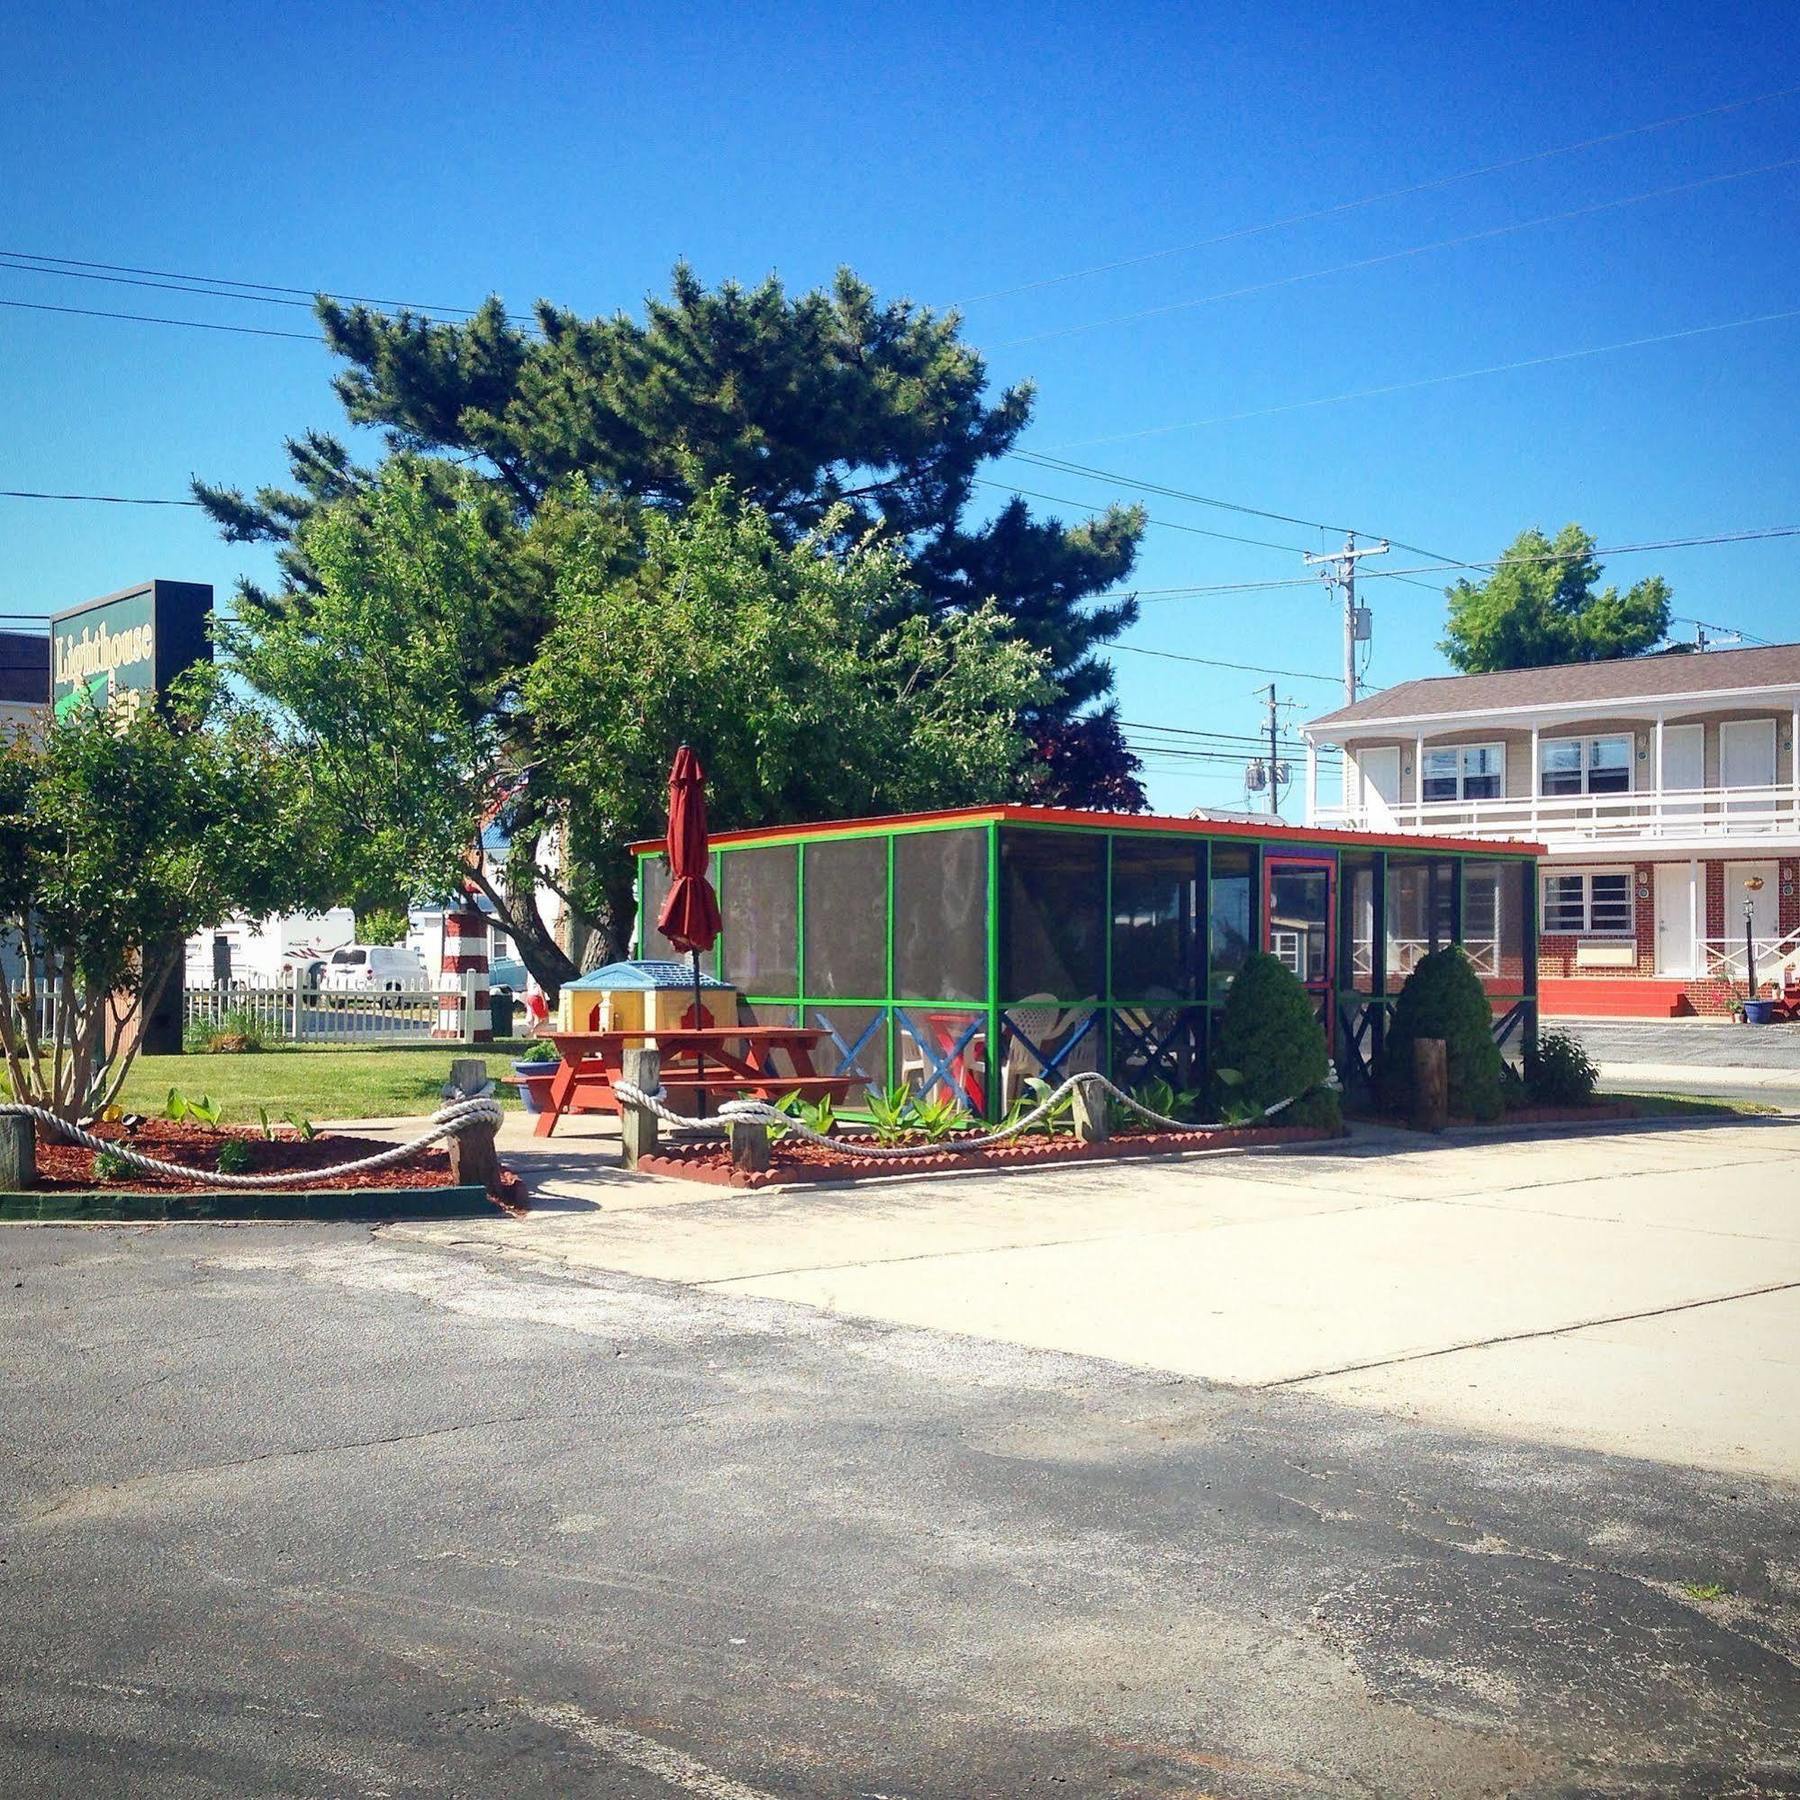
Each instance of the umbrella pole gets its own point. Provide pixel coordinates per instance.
(699, 1054)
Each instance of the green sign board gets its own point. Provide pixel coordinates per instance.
(120, 649)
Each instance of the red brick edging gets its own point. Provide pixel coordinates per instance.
(686, 1161)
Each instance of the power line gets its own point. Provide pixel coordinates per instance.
(1399, 193)
(1388, 256)
(1064, 466)
(1213, 662)
(97, 499)
(1399, 387)
(89, 312)
(73, 264)
(1165, 524)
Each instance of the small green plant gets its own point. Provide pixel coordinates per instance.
(938, 1115)
(109, 1165)
(203, 1109)
(891, 1110)
(303, 1126)
(1036, 1090)
(197, 1037)
(540, 1050)
(268, 1130)
(1236, 1107)
(816, 1115)
(234, 1157)
(1703, 1590)
(1162, 1096)
(1558, 1071)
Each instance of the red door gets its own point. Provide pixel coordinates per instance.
(1300, 923)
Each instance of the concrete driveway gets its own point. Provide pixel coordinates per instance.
(1635, 1290)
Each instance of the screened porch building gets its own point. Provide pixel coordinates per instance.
(967, 951)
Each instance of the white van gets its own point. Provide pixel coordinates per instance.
(373, 969)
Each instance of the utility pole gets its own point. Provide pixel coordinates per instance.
(1339, 568)
(1274, 765)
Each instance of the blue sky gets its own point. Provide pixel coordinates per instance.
(435, 154)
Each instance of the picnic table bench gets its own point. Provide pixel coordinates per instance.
(699, 1061)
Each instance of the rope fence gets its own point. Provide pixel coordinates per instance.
(447, 1122)
(760, 1112)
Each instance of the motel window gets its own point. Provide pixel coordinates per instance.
(1585, 765)
(1464, 772)
(1597, 904)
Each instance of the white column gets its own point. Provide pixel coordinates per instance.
(1312, 782)
(1537, 778)
(1419, 780)
(1794, 760)
(1657, 784)
(1696, 898)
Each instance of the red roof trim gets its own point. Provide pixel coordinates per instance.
(1322, 837)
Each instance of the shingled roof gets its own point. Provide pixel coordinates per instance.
(1624, 678)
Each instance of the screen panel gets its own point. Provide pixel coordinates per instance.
(1158, 896)
(846, 917)
(940, 915)
(759, 900)
(1053, 896)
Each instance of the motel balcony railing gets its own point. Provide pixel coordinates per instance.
(1776, 957)
(1678, 815)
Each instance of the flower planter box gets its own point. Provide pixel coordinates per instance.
(810, 1162)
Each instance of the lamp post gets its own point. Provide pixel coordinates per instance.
(1752, 887)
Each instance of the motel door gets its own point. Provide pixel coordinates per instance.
(1297, 900)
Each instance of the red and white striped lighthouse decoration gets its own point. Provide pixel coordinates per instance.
(465, 953)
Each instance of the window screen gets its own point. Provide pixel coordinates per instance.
(856, 1044)
(651, 943)
(1053, 892)
(1408, 918)
(1494, 922)
(1300, 919)
(846, 917)
(1231, 910)
(940, 915)
(760, 905)
(1158, 890)
(1358, 875)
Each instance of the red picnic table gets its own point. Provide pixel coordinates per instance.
(692, 1061)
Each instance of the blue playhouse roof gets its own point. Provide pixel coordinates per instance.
(640, 975)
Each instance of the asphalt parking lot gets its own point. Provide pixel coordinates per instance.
(318, 1511)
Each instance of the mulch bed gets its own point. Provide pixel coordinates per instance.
(792, 1162)
(64, 1167)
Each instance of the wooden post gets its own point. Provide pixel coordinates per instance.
(474, 1159)
(637, 1124)
(1431, 1085)
(18, 1153)
(749, 1146)
(1091, 1124)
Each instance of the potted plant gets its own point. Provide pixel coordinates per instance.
(532, 1074)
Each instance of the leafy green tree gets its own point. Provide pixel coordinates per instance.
(1443, 998)
(1543, 605)
(1270, 1035)
(117, 836)
(381, 924)
(828, 410)
(812, 682)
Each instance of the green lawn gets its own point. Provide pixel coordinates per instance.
(1680, 1106)
(320, 1084)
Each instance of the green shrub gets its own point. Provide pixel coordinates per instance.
(1443, 998)
(1559, 1072)
(1271, 1037)
(540, 1050)
(109, 1165)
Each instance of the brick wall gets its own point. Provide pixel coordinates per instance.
(1556, 950)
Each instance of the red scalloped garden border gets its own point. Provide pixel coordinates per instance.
(698, 1162)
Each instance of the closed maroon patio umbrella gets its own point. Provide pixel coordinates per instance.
(690, 913)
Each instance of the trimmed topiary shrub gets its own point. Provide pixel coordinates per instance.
(1443, 998)
(1559, 1072)
(1268, 1033)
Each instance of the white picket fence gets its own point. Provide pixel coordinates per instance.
(404, 1012)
